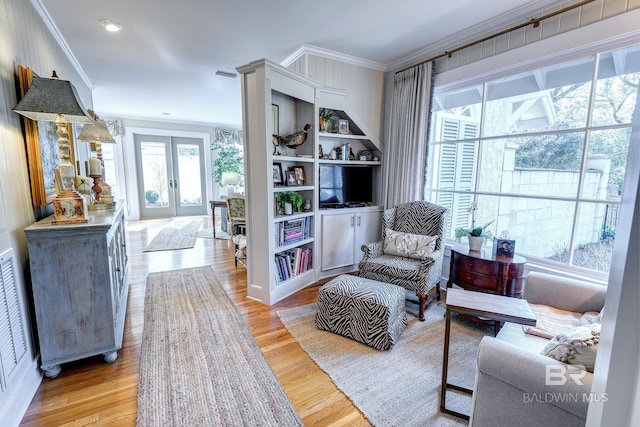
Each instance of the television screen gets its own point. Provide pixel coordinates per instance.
(345, 184)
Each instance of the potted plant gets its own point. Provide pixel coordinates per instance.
(292, 197)
(476, 235)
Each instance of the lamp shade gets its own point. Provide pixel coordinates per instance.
(229, 178)
(46, 98)
(97, 131)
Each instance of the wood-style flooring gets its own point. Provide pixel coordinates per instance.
(91, 392)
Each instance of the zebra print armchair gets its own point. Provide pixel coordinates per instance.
(420, 271)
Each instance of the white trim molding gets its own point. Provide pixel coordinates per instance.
(50, 23)
(306, 49)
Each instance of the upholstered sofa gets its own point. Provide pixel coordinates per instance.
(515, 384)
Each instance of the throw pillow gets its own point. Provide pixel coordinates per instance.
(408, 245)
(577, 346)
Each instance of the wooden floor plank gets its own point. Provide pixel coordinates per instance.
(91, 392)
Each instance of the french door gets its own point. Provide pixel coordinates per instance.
(170, 172)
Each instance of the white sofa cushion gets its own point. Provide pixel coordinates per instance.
(578, 346)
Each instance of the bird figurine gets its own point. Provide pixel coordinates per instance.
(295, 139)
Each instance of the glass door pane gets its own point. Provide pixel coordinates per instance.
(189, 180)
(153, 166)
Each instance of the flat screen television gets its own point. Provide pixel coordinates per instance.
(341, 185)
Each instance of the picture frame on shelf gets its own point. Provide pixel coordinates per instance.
(277, 174)
(300, 175)
(503, 248)
(343, 126)
(290, 178)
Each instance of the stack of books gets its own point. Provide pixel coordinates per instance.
(292, 263)
(292, 231)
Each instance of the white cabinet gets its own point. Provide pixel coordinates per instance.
(344, 232)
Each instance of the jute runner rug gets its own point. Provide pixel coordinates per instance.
(178, 234)
(399, 387)
(199, 364)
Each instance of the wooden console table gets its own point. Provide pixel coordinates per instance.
(496, 307)
(216, 204)
(480, 271)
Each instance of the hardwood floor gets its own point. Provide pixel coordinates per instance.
(91, 392)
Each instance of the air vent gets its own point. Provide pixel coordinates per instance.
(12, 334)
(226, 74)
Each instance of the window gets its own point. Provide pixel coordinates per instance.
(542, 153)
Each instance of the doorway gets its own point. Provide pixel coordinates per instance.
(170, 176)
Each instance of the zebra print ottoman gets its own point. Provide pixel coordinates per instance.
(362, 309)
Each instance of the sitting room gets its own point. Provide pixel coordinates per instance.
(388, 215)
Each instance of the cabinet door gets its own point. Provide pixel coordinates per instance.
(368, 230)
(337, 240)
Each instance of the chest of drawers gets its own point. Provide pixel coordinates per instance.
(482, 272)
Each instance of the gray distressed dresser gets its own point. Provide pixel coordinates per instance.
(80, 285)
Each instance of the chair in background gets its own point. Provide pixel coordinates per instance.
(236, 215)
(410, 253)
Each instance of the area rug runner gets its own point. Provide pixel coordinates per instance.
(199, 364)
(401, 386)
(178, 234)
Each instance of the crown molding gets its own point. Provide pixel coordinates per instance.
(497, 23)
(49, 22)
(333, 55)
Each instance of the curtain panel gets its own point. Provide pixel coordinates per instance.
(406, 158)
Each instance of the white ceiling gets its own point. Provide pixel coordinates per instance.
(165, 58)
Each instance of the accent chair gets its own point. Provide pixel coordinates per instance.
(410, 253)
(236, 214)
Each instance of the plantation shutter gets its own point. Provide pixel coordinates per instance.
(456, 170)
(12, 335)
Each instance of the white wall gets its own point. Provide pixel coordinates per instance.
(24, 40)
(362, 84)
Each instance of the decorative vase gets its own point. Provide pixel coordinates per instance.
(475, 243)
(288, 208)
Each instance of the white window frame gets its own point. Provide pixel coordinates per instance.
(611, 34)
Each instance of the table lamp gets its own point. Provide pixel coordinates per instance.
(56, 100)
(97, 133)
(230, 180)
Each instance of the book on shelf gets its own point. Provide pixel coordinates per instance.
(292, 262)
(292, 231)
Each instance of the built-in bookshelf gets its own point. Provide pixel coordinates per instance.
(278, 101)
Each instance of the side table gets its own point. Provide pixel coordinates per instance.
(496, 307)
(216, 204)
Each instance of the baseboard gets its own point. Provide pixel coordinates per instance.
(19, 396)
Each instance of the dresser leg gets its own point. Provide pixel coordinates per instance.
(110, 356)
(52, 371)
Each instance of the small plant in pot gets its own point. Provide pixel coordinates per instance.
(476, 235)
(292, 197)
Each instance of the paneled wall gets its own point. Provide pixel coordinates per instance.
(25, 40)
(562, 23)
(363, 85)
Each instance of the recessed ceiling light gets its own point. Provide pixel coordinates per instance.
(110, 25)
(226, 74)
